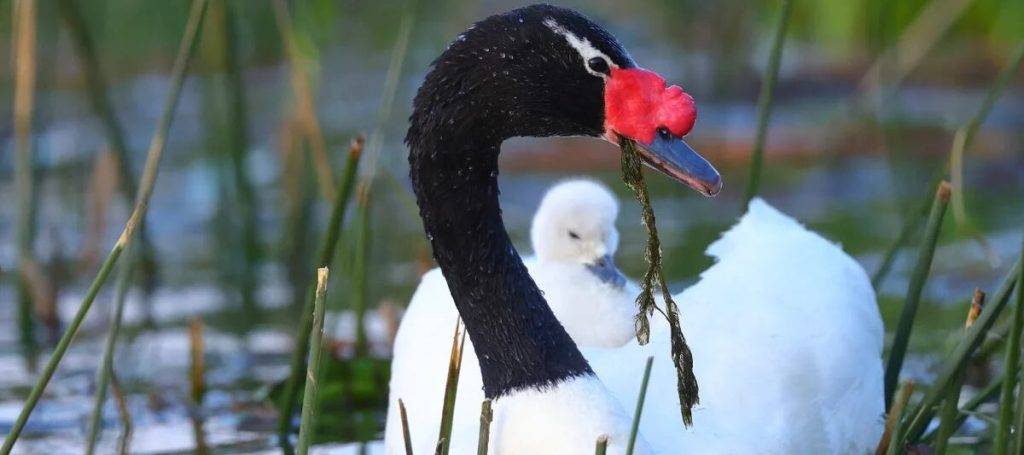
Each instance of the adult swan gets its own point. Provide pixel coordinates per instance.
(536, 71)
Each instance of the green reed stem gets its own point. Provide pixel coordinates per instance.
(639, 406)
(765, 102)
(360, 277)
(238, 121)
(913, 222)
(105, 370)
(391, 79)
(307, 426)
(994, 343)
(989, 392)
(59, 351)
(1010, 366)
(913, 298)
(950, 409)
(24, 15)
(957, 360)
(451, 389)
(325, 257)
(486, 416)
(947, 416)
(896, 415)
(149, 174)
(406, 438)
(1018, 440)
(602, 445)
(99, 100)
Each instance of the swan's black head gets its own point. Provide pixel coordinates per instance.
(548, 71)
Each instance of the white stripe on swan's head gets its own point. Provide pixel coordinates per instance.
(582, 45)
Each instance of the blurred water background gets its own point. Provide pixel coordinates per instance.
(240, 203)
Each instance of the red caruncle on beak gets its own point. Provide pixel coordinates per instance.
(637, 102)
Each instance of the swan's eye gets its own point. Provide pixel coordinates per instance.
(573, 235)
(599, 65)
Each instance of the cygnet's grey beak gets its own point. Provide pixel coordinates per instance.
(605, 270)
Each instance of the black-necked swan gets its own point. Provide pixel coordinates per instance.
(535, 71)
(809, 354)
(574, 240)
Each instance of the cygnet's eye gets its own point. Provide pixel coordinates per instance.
(573, 235)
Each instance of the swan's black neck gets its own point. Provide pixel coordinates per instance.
(518, 340)
(509, 75)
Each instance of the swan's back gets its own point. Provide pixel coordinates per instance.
(807, 335)
(787, 342)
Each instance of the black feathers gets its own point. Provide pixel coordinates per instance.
(509, 75)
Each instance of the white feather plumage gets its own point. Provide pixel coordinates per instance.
(787, 342)
(785, 333)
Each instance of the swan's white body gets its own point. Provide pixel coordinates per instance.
(786, 338)
(593, 312)
(787, 341)
(423, 344)
(573, 412)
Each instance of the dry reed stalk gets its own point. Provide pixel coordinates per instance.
(451, 389)
(101, 189)
(305, 106)
(892, 421)
(41, 290)
(24, 53)
(958, 204)
(486, 417)
(406, 438)
(951, 406)
(197, 365)
(121, 401)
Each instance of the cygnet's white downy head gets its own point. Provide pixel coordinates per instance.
(575, 224)
(574, 240)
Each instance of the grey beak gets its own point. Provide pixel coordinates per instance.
(676, 159)
(605, 270)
